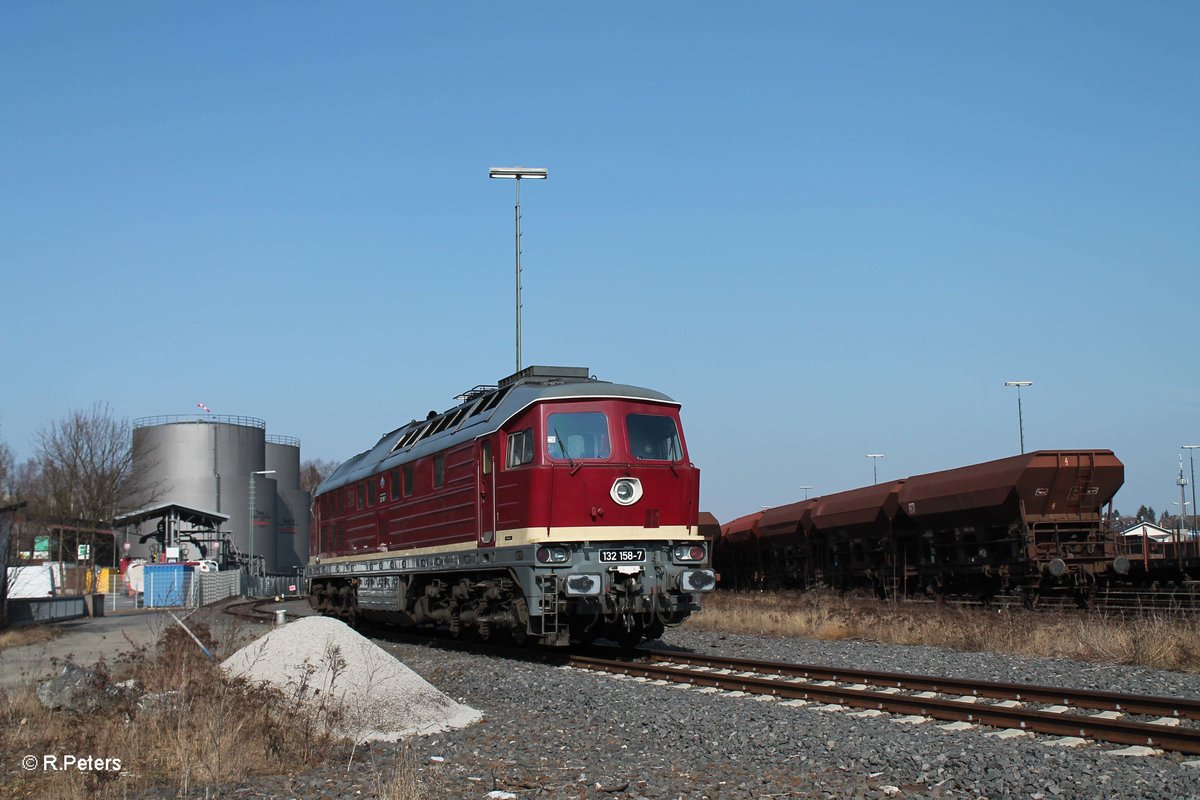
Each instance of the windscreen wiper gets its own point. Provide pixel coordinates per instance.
(563, 448)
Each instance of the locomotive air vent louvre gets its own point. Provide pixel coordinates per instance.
(493, 401)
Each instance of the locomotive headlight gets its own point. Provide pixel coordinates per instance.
(689, 552)
(697, 580)
(583, 585)
(552, 555)
(626, 491)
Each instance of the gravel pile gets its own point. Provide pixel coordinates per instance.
(549, 732)
(325, 661)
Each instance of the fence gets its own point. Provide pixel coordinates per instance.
(274, 586)
(167, 587)
(28, 610)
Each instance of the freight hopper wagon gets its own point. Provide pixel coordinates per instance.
(550, 507)
(1030, 523)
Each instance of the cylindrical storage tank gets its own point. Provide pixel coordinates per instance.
(205, 462)
(292, 504)
(262, 548)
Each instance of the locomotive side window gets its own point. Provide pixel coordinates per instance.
(408, 480)
(520, 448)
(370, 492)
(577, 435)
(439, 470)
(653, 438)
(362, 493)
(487, 457)
(395, 484)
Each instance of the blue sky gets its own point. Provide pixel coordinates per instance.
(827, 229)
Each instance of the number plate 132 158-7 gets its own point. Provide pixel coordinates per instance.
(630, 555)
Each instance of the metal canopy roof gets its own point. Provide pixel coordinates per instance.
(193, 516)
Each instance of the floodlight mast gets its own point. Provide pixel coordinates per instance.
(1020, 418)
(874, 468)
(518, 174)
(1191, 448)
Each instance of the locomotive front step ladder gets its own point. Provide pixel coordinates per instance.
(547, 605)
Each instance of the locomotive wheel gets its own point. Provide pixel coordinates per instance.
(655, 629)
(316, 598)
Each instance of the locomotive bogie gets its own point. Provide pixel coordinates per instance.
(547, 593)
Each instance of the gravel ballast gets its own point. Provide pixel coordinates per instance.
(551, 732)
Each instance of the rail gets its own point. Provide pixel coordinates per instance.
(960, 700)
(226, 419)
(289, 441)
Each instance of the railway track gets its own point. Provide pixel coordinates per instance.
(1087, 714)
(251, 609)
(1157, 722)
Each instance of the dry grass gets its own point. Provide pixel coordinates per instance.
(199, 728)
(402, 780)
(27, 634)
(1164, 641)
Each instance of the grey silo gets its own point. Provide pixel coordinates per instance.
(205, 461)
(293, 505)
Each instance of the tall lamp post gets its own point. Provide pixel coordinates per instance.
(1191, 448)
(1182, 481)
(874, 461)
(252, 487)
(805, 488)
(518, 174)
(1020, 419)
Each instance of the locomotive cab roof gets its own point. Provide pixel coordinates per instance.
(482, 410)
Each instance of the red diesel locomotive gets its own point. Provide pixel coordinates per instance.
(552, 506)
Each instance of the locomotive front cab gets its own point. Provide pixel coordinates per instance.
(604, 490)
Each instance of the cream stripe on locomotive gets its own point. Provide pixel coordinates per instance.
(414, 551)
(523, 536)
(597, 534)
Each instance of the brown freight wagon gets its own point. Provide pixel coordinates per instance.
(1029, 522)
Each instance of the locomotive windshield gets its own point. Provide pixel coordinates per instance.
(577, 436)
(653, 438)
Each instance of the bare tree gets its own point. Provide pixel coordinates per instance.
(313, 471)
(7, 509)
(89, 472)
(7, 471)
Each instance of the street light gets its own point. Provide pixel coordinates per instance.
(805, 488)
(252, 487)
(1191, 448)
(1182, 481)
(1020, 419)
(874, 461)
(518, 174)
